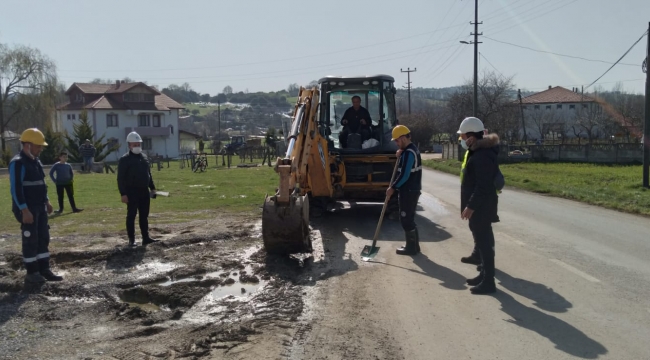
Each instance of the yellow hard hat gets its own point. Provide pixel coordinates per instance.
(400, 130)
(33, 136)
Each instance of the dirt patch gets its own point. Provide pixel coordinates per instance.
(198, 293)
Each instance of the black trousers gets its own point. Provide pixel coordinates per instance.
(36, 238)
(343, 135)
(139, 202)
(408, 203)
(481, 227)
(70, 191)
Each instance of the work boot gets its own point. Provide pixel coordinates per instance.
(33, 276)
(474, 258)
(148, 240)
(46, 272)
(77, 210)
(58, 211)
(132, 242)
(417, 241)
(475, 281)
(487, 285)
(410, 248)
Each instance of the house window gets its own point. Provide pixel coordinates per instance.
(572, 107)
(146, 144)
(138, 97)
(584, 106)
(144, 120)
(156, 121)
(79, 97)
(536, 107)
(111, 120)
(69, 117)
(112, 143)
(548, 107)
(559, 106)
(73, 116)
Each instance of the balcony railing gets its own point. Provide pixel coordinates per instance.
(150, 131)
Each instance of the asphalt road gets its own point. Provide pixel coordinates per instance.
(573, 283)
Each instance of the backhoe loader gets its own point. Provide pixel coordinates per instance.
(319, 169)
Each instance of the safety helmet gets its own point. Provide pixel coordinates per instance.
(33, 136)
(400, 130)
(471, 125)
(133, 137)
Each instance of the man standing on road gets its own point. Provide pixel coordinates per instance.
(409, 184)
(136, 187)
(31, 206)
(478, 198)
(87, 152)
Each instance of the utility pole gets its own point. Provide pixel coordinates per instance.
(523, 122)
(476, 34)
(219, 125)
(408, 72)
(646, 127)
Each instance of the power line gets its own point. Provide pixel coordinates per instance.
(533, 18)
(526, 12)
(439, 24)
(553, 53)
(621, 58)
(488, 61)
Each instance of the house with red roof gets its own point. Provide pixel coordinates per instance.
(564, 112)
(114, 110)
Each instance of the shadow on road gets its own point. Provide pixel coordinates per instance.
(544, 297)
(565, 337)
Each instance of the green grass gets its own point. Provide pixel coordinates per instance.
(193, 196)
(615, 187)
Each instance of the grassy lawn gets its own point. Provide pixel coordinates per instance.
(614, 187)
(192, 196)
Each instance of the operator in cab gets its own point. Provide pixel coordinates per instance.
(356, 119)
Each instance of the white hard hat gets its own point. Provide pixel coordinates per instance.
(471, 124)
(133, 137)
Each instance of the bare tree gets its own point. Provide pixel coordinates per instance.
(628, 107)
(543, 121)
(594, 120)
(227, 90)
(24, 73)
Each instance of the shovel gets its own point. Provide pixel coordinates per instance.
(370, 252)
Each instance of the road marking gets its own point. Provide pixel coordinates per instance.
(576, 271)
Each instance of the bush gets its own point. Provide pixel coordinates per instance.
(5, 158)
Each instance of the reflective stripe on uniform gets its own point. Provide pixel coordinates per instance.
(415, 167)
(43, 255)
(33, 183)
(28, 260)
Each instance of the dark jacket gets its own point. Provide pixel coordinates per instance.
(133, 172)
(27, 183)
(87, 151)
(477, 190)
(354, 118)
(409, 170)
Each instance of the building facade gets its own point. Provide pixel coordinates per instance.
(114, 110)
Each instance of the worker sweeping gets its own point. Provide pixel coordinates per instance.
(409, 185)
(31, 206)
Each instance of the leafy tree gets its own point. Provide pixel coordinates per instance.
(23, 71)
(81, 132)
(50, 153)
(195, 112)
(205, 98)
(227, 90)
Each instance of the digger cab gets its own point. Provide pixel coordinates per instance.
(377, 94)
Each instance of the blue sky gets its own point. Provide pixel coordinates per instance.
(265, 45)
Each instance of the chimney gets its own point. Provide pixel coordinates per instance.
(122, 82)
(117, 84)
(549, 87)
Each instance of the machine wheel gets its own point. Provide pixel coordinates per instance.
(285, 228)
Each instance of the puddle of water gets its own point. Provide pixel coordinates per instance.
(147, 306)
(234, 289)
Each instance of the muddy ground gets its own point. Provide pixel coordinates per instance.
(205, 291)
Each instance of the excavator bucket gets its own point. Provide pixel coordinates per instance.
(285, 228)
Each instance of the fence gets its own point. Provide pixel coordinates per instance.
(587, 153)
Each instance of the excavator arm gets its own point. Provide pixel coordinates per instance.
(303, 171)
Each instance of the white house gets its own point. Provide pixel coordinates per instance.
(554, 113)
(114, 110)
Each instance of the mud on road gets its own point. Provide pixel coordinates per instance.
(198, 294)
